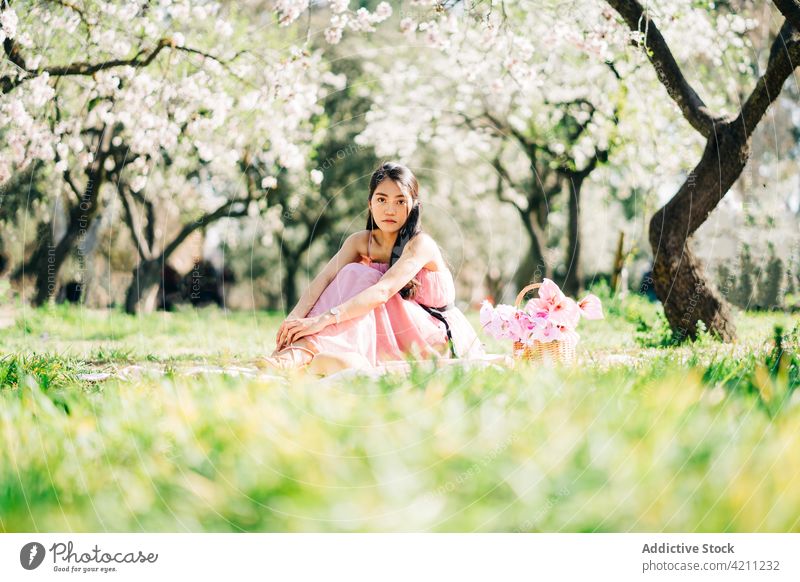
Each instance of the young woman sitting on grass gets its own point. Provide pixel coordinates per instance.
(387, 293)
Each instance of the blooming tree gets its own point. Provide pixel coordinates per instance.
(718, 44)
(534, 103)
(106, 103)
(680, 282)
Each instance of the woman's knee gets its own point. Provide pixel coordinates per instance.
(360, 268)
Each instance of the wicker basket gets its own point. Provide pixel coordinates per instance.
(560, 352)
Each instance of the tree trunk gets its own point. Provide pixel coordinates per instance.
(142, 294)
(48, 264)
(678, 276)
(573, 280)
(619, 264)
(291, 258)
(533, 267)
(290, 282)
(541, 209)
(4, 261)
(40, 249)
(52, 256)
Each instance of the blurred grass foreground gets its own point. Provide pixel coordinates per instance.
(647, 437)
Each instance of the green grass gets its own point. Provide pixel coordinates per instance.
(702, 437)
(104, 336)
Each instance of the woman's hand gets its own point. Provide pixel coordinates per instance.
(280, 338)
(293, 329)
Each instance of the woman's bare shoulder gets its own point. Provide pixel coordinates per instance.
(359, 240)
(424, 241)
(358, 237)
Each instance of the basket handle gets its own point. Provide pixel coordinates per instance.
(524, 291)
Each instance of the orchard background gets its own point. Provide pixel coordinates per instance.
(173, 173)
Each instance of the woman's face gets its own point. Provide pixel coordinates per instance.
(390, 206)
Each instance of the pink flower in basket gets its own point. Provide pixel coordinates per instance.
(501, 322)
(528, 324)
(560, 308)
(590, 307)
(547, 332)
(552, 316)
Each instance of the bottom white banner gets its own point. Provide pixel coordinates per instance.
(355, 557)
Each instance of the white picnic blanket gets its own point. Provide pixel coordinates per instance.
(402, 366)
(399, 366)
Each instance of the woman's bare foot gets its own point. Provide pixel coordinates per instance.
(291, 357)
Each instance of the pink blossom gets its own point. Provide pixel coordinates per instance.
(382, 12)
(333, 35)
(558, 307)
(407, 25)
(549, 296)
(527, 324)
(537, 323)
(550, 292)
(547, 333)
(290, 10)
(5, 172)
(504, 323)
(339, 6)
(590, 307)
(537, 308)
(550, 317)
(8, 23)
(565, 313)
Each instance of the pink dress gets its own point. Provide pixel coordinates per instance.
(400, 326)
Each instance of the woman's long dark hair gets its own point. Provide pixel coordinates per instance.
(407, 182)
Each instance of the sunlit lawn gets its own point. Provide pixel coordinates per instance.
(700, 438)
(215, 336)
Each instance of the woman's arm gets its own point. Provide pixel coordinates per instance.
(347, 254)
(418, 252)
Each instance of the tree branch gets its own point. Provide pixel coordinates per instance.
(141, 245)
(11, 49)
(140, 59)
(499, 193)
(503, 174)
(150, 228)
(66, 173)
(72, 185)
(581, 127)
(669, 73)
(600, 157)
(224, 211)
(784, 56)
(791, 10)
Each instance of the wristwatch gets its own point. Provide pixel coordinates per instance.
(335, 311)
